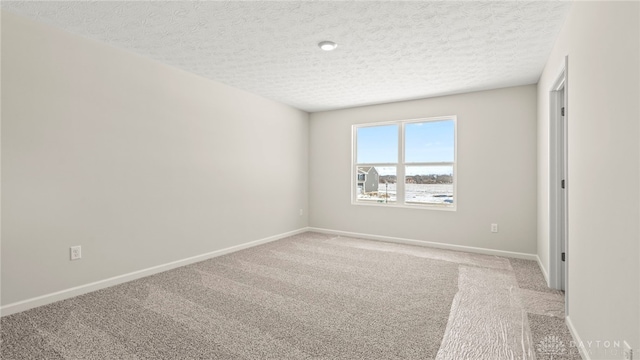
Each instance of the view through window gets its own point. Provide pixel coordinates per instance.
(422, 152)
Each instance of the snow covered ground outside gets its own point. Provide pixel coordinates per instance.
(414, 193)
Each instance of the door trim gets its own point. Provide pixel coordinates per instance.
(558, 171)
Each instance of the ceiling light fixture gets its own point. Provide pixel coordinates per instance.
(327, 45)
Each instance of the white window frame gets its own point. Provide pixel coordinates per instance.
(401, 165)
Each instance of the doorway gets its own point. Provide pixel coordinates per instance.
(558, 185)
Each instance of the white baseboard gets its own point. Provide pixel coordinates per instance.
(101, 284)
(544, 271)
(584, 353)
(438, 245)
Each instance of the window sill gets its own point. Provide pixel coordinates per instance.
(408, 206)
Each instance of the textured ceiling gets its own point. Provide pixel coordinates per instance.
(387, 50)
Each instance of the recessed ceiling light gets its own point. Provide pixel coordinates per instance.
(327, 45)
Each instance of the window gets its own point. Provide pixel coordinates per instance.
(422, 152)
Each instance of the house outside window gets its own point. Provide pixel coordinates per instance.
(409, 163)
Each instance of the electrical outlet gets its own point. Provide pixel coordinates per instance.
(301, 212)
(628, 353)
(494, 228)
(76, 252)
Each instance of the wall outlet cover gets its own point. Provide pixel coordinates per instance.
(76, 252)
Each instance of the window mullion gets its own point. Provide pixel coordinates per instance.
(400, 168)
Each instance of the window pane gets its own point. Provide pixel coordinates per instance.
(430, 141)
(429, 185)
(376, 184)
(377, 144)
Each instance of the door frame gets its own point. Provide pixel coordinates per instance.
(558, 171)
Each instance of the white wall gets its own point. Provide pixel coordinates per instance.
(496, 172)
(138, 162)
(602, 41)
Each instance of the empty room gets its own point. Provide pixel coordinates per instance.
(320, 180)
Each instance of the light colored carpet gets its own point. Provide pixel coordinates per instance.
(310, 296)
(545, 312)
(552, 338)
(297, 298)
